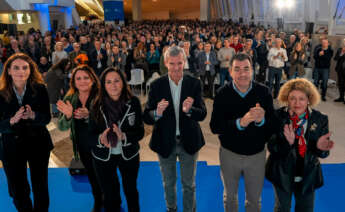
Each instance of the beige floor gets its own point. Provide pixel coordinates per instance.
(62, 152)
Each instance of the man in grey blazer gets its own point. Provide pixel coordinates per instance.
(207, 61)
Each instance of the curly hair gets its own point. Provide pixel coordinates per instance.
(299, 84)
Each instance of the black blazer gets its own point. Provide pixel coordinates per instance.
(281, 164)
(93, 59)
(163, 137)
(131, 125)
(29, 135)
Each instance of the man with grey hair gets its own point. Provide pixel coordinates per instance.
(175, 107)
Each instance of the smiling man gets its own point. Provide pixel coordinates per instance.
(242, 115)
(175, 108)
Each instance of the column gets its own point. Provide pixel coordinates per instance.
(44, 17)
(68, 17)
(204, 10)
(136, 10)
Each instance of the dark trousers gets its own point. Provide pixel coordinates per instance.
(86, 159)
(210, 80)
(341, 83)
(304, 202)
(261, 77)
(224, 75)
(274, 74)
(321, 74)
(107, 177)
(15, 167)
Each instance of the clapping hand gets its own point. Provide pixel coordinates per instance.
(19, 115)
(289, 133)
(161, 106)
(187, 104)
(28, 113)
(118, 132)
(104, 139)
(65, 108)
(324, 143)
(258, 113)
(81, 113)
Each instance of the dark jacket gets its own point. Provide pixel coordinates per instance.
(163, 138)
(132, 126)
(281, 164)
(297, 64)
(340, 66)
(29, 135)
(202, 59)
(94, 62)
(55, 80)
(323, 61)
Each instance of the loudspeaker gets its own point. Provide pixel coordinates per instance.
(280, 23)
(309, 27)
(240, 20)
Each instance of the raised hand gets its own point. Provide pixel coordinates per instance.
(103, 138)
(289, 133)
(65, 108)
(19, 115)
(161, 106)
(28, 113)
(81, 113)
(258, 113)
(324, 143)
(187, 104)
(118, 132)
(247, 119)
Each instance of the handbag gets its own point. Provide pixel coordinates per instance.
(76, 167)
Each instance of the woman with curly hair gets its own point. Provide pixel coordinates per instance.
(24, 114)
(300, 139)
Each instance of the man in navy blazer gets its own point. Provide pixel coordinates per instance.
(98, 58)
(207, 61)
(174, 107)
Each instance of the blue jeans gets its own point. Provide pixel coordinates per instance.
(321, 74)
(188, 171)
(224, 75)
(276, 75)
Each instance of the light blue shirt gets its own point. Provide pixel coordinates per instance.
(243, 95)
(176, 96)
(20, 97)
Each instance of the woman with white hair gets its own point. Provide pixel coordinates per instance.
(59, 53)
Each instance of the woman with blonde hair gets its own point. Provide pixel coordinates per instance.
(301, 137)
(59, 53)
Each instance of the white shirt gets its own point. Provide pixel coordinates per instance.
(279, 61)
(176, 96)
(207, 59)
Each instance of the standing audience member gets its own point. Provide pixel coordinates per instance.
(322, 56)
(116, 119)
(75, 115)
(224, 56)
(300, 139)
(207, 61)
(340, 69)
(174, 107)
(59, 53)
(242, 118)
(55, 79)
(24, 114)
(297, 60)
(98, 58)
(276, 57)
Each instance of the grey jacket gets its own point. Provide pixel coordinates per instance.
(202, 59)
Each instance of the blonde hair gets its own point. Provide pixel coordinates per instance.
(299, 84)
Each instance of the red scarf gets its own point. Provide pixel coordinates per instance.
(297, 123)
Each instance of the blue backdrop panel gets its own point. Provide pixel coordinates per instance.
(113, 10)
(70, 194)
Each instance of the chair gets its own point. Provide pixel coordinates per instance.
(155, 75)
(137, 78)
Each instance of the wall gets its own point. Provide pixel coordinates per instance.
(186, 15)
(163, 15)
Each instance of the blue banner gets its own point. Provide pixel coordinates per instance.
(113, 10)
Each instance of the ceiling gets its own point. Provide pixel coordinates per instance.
(87, 7)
